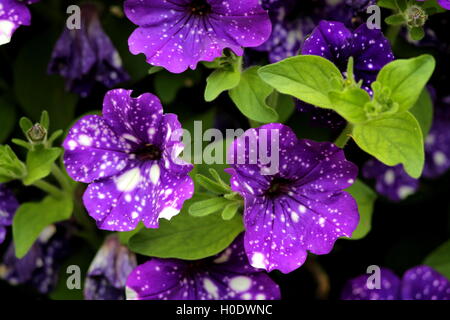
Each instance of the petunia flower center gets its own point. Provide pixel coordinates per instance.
(200, 7)
(148, 152)
(277, 187)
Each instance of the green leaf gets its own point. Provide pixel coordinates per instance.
(417, 33)
(389, 4)
(365, 198)
(155, 69)
(207, 207)
(308, 78)
(32, 217)
(439, 259)
(396, 19)
(406, 79)
(7, 119)
(283, 104)
(25, 124)
(211, 185)
(250, 97)
(350, 103)
(393, 140)
(11, 167)
(423, 112)
(45, 120)
(187, 237)
(39, 163)
(221, 80)
(230, 210)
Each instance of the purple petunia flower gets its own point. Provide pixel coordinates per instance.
(86, 56)
(418, 283)
(392, 182)
(332, 40)
(40, 266)
(13, 14)
(226, 276)
(350, 12)
(302, 207)
(370, 50)
(437, 145)
(107, 275)
(178, 34)
(443, 3)
(128, 156)
(8, 206)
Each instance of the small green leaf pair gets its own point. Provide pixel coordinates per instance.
(382, 125)
(223, 199)
(253, 97)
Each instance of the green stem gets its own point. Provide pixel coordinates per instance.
(49, 188)
(344, 137)
(321, 277)
(61, 178)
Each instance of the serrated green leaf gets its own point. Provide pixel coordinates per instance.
(32, 217)
(406, 79)
(308, 78)
(439, 259)
(365, 198)
(187, 237)
(393, 140)
(250, 97)
(39, 163)
(350, 104)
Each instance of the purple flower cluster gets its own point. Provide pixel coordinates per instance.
(418, 283)
(226, 276)
(128, 156)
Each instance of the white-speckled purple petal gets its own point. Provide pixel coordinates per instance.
(8, 206)
(145, 192)
(178, 34)
(226, 276)
(425, 283)
(302, 207)
(94, 151)
(13, 13)
(357, 288)
(391, 182)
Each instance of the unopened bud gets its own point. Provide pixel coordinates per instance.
(416, 16)
(37, 133)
